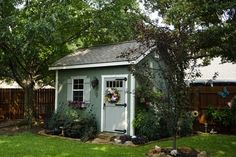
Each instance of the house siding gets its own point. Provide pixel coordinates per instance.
(95, 94)
(155, 66)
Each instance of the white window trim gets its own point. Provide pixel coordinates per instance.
(91, 65)
(75, 78)
(102, 98)
(132, 104)
(56, 91)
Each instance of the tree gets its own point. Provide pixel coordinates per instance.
(173, 61)
(213, 23)
(194, 29)
(37, 32)
(172, 44)
(218, 20)
(28, 42)
(111, 22)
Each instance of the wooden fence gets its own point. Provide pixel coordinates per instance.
(12, 103)
(12, 100)
(217, 96)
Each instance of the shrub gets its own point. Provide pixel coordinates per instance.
(209, 113)
(149, 124)
(164, 131)
(75, 123)
(186, 124)
(84, 128)
(223, 117)
(64, 113)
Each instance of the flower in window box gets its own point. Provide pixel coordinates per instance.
(77, 104)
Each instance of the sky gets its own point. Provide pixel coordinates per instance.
(153, 15)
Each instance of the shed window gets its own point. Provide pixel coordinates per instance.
(117, 83)
(78, 89)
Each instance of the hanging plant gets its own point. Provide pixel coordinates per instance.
(112, 95)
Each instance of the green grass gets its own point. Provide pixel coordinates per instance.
(31, 145)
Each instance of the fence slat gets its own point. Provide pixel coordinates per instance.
(203, 96)
(12, 103)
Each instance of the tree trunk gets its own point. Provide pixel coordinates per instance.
(174, 141)
(29, 103)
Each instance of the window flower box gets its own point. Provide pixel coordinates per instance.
(78, 104)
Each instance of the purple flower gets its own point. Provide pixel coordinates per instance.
(77, 104)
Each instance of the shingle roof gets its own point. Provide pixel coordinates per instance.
(103, 54)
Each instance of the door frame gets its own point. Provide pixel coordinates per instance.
(102, 98)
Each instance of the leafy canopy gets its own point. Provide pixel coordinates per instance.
(213, 23)
(37, 32)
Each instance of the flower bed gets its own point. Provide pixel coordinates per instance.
(180, 152)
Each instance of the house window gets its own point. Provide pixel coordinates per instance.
(78, 89)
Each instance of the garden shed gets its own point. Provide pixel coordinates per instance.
(100, 78)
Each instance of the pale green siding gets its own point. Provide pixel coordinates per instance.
(155, 66)
(95, 94)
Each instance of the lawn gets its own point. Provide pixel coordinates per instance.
(31, 145)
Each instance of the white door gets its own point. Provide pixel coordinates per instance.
(115, 104)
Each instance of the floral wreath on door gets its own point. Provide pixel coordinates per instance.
(112, 95)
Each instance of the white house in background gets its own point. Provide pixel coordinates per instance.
(226, 73)
(15, 85)
(7, 85)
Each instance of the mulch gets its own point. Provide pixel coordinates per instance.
(10, 127)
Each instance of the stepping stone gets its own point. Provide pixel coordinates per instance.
(105, 138)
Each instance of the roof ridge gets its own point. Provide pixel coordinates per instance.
(102, 45)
